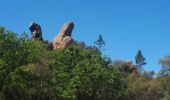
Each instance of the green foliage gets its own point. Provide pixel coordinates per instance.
(28, 71)
(148, 74)
(139, 58)
(82, 74)
(17, 54)
(165, 81)
(100, 42)
(142, 88)
(31, 82)
(125, 66)
(140, 61)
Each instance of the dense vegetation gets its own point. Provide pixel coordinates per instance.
(29, 71)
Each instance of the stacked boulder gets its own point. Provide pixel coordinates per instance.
(61, 40)
(64, 38)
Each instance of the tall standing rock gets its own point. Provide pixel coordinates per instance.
(64, 38)
(36, 31)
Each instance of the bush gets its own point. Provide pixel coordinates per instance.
(82, 74)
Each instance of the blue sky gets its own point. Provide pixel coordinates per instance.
(126, 25)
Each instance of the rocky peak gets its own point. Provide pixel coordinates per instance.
(67, 29)
(63, 38)
(36, 31)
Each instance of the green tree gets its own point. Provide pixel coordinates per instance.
(142, 88)
(22, 64)
(165, 81)
(30, 82)
(140, 61)
(83, 74)
(29, 78)
(28, 71)
(100, 42)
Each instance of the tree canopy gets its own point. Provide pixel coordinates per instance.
(30, 71)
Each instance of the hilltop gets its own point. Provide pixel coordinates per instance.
(35, 69)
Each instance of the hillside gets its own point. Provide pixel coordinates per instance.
(29, 70)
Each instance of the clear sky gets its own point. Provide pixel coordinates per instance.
(126, 25)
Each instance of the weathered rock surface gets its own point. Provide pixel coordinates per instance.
(36, 31)
(64, 38)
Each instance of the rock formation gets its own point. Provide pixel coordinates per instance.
(36, 31)
(37, 35)
(64, 38)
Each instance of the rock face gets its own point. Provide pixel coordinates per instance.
(64, 38)
(36, 31)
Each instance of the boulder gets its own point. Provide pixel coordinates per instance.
(63, 38)
(36, 31)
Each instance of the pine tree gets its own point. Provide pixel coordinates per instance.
(140, 60)
(100, 42)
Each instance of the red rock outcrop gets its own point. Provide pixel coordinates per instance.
(64, 38)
